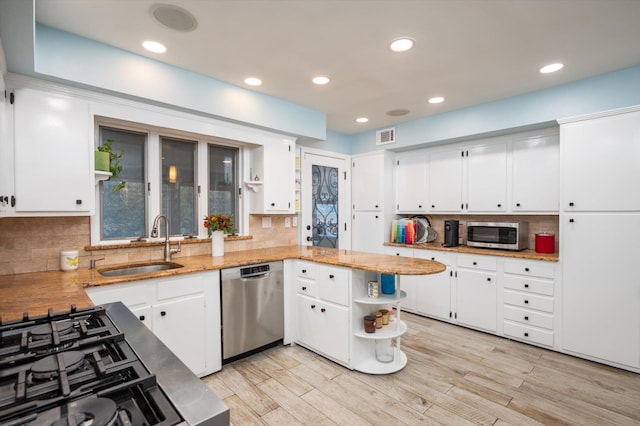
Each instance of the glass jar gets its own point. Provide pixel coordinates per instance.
(384, 350)
(369, 324)
(378, 316)
(385, 316)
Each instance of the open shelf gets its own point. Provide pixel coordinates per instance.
(386, 332)
(101, 175)
(372, 366)
(254, 185)
(382, 299)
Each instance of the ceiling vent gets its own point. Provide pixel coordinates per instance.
(386, 136)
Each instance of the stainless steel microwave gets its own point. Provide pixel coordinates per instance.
(498, 235)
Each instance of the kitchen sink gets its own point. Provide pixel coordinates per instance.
(139, 268)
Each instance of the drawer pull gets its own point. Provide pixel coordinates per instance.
(331, 276)
(163, 313)
(526, 334)
(489, 279)
(475, 263)
(304, 288)
(526, 302)
(141, 317)
(526, 269)
(433, 258)
(526, 318)
(313, 306)
(304, 271)
(526, 286)
(322, 309)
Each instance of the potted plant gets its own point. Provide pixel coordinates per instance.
(108, 160)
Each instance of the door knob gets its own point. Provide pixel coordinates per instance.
(309, 238)
(308, 227)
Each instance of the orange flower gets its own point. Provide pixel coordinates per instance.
(219, 222)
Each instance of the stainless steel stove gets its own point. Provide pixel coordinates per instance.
(95, 367)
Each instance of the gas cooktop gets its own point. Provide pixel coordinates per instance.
(77, 368)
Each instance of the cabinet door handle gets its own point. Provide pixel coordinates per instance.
(475, 263)
(141, 317)
(526, 318)
(313, 306)
(304, 271)
(163, 313)
(273, 204)
(526, 269)
(517, 204)
(304, 288)
(489, 279)
(331, 276)
(526, 302)
(376, 216)
(433, 206)
(376, 206)
(419, 206)
(570, 220)
(571, 204)
(499, 205)
(526, 334)
(322, 309)
(526, 286)
(433, 258)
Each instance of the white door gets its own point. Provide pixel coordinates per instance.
(325, 214)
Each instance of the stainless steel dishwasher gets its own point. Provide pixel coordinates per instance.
(252, 308)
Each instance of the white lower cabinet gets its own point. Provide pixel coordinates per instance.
(434, 291)
(476, 299)
(184, 312)
(323, 310)
(529, 302)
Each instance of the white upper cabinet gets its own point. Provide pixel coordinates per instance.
(412, 173)
(536, 174)
(487, 178)
(601, 163)
(445, 181)
(274, 165)
(367, 232)
(367, 182)
(53, 155)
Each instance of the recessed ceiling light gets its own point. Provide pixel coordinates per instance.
(253, 81)
(362, 119)
(154, 46)
(321, 79)
(436, 100)
(401, 44)
(398, 112)
(551, 68)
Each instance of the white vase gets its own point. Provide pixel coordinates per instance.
(217, 243)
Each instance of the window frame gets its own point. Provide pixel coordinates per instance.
(153, 169)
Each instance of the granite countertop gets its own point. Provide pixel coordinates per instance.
(523, 254)
(39, 291)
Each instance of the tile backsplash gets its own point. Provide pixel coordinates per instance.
(34, 244)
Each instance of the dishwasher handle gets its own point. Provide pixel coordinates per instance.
(255, 276)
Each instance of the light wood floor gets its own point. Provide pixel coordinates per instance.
(454, 376)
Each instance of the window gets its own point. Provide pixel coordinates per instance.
(179, 185)
(124, 212)
(164, 171)
(223, 181)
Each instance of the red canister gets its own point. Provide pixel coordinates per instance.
(545, 242)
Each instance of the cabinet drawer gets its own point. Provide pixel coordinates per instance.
(532, 285)
(529, 268)
(438, 256)
(528, 317)
(306, 287)
(477, 262)
(179, 287)
(333, 284)
(132, 294)
(529, 301)
(306, 270)
(528, 334)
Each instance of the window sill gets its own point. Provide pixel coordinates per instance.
(139, 244)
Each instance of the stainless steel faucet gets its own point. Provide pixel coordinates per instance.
(167, 245)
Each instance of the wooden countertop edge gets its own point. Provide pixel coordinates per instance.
(524, 254)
